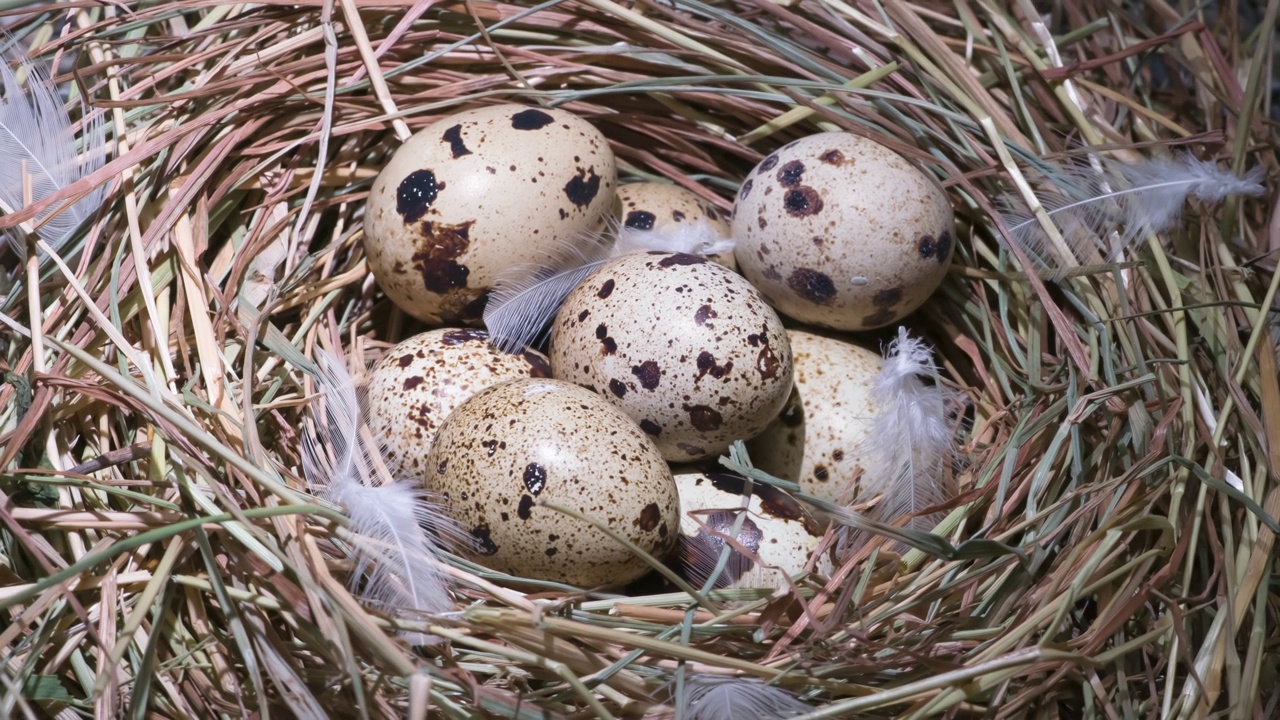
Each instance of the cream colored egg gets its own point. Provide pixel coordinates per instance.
(415, 386)
(777, 531)
(841, 232)
(667, 208)
(686, 347)
(817, 438)
(477, 192)
(511, 448)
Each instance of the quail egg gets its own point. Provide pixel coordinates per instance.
(477, 192)
(841, 232)
(777, 531)
(686, 347)
(649, 207)
(817, 438)
(415, 386)
(511, 448)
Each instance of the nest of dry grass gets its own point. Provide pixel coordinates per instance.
(157, 558)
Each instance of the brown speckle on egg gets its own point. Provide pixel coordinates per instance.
(531, 120)
(802, 202)
(415, 194)
(457, 146)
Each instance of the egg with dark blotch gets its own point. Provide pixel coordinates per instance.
(666, 208)
(817, 440)
(510, 449)
(841, 232)
(477, 192)
(415, 386)
(686, 347)
(777, 532)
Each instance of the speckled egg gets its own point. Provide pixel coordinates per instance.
(841, 232)
(667, 208)
(777, 530)
(686, 347)
(512, 447)
(817, 437)
(477, 192)
(415, 386)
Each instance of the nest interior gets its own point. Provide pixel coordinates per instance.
(157, 556)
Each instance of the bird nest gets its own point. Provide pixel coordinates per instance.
(1108, 548)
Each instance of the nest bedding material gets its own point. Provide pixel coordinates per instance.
(160, 559)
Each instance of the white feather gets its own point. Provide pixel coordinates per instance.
(695, 238)
(525, 297)
(393, 519)
(36, 128)
(1120, 201)
(713, 697)
(910, 443)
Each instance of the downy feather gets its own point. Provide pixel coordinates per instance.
(525, 297)
(36, 128)
(910, 443)
(1102, 210)
(393, 520)
(714, 697)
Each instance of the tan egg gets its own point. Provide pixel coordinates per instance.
(415, 386)
(671, 209)
(778, 531)
(477, 192)
(514, 446)
(817, 438)
(841, 232)
(684, 346)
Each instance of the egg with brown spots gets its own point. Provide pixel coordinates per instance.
(509, 450)
(841, 232)
(777, 532)
(658, 207)
(817, 438)
(686, 347)
(477, 192)
(415, 386)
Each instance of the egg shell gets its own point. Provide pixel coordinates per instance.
(664, 207)
(477, 192)
(686, 347)
(841, 232)
(511, 447)
(817, 439)
(778, 531)
(415, 386)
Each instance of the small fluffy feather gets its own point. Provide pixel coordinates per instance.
(712, 697)
(35, 127)
(395, 554)
(525, 297)
(1127, 199)
(910, 443)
